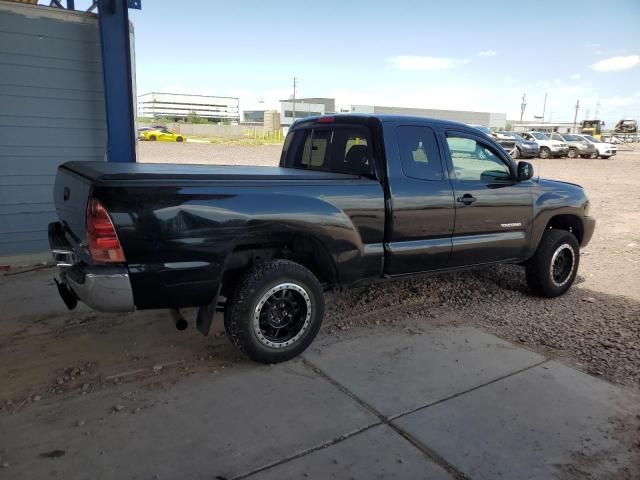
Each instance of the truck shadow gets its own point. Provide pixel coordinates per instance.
(46, 350)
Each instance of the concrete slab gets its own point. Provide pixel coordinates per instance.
(548, 422)
(399, 372)
(208, 425)
(375, 453)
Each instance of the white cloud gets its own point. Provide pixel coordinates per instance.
(509, 80)
(575, 76)
(425, 63)
(487, 53)
(616, 63)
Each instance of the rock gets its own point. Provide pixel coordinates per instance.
(118, 408)
(37, 398)
(85, 387)
(157, 368)
(5, 465)
(589, 299)
(79, 423)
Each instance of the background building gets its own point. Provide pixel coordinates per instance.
(489, 119)
(177, 106)
(253, 116)
(302, 110)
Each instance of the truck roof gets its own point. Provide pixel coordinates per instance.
(381, 118)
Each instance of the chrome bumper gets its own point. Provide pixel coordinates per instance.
(106, 291)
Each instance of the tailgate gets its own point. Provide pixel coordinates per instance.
(70, 195)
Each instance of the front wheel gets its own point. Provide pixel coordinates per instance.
(545, 152)
(573, 153)
(553, 268)
(179, 139)
(275, 311)
(515, 153)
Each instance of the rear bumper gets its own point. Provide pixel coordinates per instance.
(104, 288)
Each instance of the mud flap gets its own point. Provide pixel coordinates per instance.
(206, 313)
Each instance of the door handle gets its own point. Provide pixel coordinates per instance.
(466, 199)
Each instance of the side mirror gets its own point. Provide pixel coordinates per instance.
(525, 171)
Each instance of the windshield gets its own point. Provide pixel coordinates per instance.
(540, 136)
(591, 139)
(572, 138)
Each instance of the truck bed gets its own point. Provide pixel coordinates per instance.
(108, 174)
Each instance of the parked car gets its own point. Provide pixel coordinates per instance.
(605, 150)
(523, 148)
(577, 145)
(548, 148)
(161, 135)
(357, 199)
(506, 142)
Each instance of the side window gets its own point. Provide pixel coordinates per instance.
(419, 154)
(475, 161)
(352, 152)
(306, 148)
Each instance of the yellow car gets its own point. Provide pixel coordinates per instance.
(159, 134)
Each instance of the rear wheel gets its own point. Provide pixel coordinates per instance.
(153, 138)
(179, 139)
(275, 311)
(545, 152)
(553, 268)
(515, 153)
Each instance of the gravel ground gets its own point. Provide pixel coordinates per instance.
(595, 326)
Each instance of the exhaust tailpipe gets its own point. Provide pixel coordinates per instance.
(178, 319)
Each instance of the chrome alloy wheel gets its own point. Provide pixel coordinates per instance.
(282, 315)
(562, 265)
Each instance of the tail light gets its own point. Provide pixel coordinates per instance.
(104, 245)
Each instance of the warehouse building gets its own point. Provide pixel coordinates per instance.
(177, 106)
(488, 119)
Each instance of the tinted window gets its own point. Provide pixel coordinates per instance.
(339, 149)
(419, 153)
(351, 151)
(475, 161)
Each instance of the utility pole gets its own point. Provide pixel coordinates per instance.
(575, 117)
(597, 109)
(295, 80)
(523, 105)
(544, 106)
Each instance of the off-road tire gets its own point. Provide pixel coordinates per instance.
(243, 303)
(544, 152)
(539, 268)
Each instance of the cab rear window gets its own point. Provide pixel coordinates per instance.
(340, 149)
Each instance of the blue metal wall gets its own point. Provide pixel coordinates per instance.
(52, 110)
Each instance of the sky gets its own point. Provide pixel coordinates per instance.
(478, 56)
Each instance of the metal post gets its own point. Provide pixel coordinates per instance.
(294, 100)
(523, 105)
(544, 107)
(113, 18)
(575, 117)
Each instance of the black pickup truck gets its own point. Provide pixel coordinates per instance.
(356, 199)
